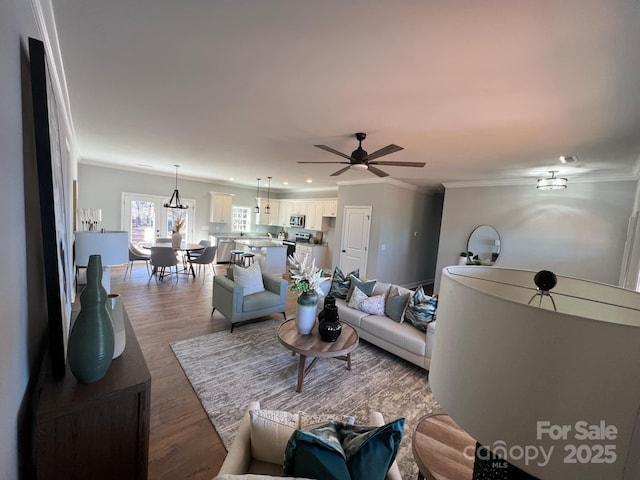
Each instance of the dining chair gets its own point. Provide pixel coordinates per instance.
(161, 259)
(205, 258)
(136, 255)
(197, 253)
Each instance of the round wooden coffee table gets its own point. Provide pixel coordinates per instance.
(442, 449)
(313, 346)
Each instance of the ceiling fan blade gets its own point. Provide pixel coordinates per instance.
(345, 163)
(377, 171)
(342, 170)
(384, 151)
(400, 164)
(332, 150)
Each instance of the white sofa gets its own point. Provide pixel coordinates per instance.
(401, 339)
(240, 464)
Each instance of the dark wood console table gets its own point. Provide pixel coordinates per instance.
(98, 430)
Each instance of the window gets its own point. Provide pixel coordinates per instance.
(240, 219)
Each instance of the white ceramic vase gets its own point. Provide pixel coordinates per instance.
(176, 240)
(114, 307)
(306, 308)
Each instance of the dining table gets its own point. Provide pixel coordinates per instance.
(185, 248)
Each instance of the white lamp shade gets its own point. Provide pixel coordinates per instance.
(501, 366)
(113, 247)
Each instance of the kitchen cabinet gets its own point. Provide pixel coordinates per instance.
(220, 207)
(313, 219)
(315, 252)
(329, 208)
(273, 217)
(286, 207)
(97, 430)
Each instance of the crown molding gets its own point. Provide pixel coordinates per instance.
(387, 180)
(532, 181)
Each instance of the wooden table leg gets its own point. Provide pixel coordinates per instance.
(348, 361)
(301, 363)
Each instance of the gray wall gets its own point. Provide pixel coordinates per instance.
(23, 317)
(578, 232)
(397, 213)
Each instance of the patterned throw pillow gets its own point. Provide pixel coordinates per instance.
(365, 286)
(371, 305)
(340, 283)
(395, 304)
(421, 310)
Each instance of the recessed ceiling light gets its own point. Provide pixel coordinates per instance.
(285, 183)
(309, 180)
(231, 179)
(568, 159)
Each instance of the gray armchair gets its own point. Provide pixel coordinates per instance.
(228, 298)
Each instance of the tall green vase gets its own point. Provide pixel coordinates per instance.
(91, 342)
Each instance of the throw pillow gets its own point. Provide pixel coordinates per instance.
(365, 286)
(340, 283)
(270, 431)
(395, 304)
(338, 451)
(249, 278)
(309, 421)
(421, 310)
(372, 305)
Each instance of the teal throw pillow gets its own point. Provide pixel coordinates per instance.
(421, 310)
(340, 283)
(395, 304)
(337, 451)
(365, 286)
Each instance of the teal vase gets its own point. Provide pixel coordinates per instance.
(91, 342)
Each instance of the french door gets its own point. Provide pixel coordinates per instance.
(145, 218)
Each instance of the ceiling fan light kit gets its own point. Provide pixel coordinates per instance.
(552, 182)
(360, 159)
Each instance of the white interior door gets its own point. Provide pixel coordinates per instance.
(354, 248)
(145, 217)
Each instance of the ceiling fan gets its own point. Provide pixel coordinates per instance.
(361, 160)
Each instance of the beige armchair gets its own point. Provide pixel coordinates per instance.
(239, 460)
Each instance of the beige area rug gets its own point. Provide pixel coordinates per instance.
(228, 370)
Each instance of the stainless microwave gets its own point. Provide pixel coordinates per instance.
(296, 221)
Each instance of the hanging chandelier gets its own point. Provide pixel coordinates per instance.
(267, 209)
(552, 182)
(176, 201)
(256, 209)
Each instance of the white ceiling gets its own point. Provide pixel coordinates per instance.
(479, 90)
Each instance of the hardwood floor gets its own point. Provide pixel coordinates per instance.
(183, 442)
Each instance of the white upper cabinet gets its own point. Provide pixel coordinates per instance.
(220, 207)
(329, 208)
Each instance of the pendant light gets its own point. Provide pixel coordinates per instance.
(257, 207)
(267, 209)
(552, 182)
(176, 201)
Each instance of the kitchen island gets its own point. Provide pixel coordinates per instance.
(270, 254)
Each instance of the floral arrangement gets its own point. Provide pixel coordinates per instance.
(178, 223)
(306, 277)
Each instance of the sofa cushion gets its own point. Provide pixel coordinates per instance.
(340, 283)
(338, 451)
(395, 304)
(249, 278)
(402, 335)
(253, 476)
(372, 305)
(421, 310)
(258, 301)
(365, 286)
(270, 431)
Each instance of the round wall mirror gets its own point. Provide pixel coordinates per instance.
(484, 245)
